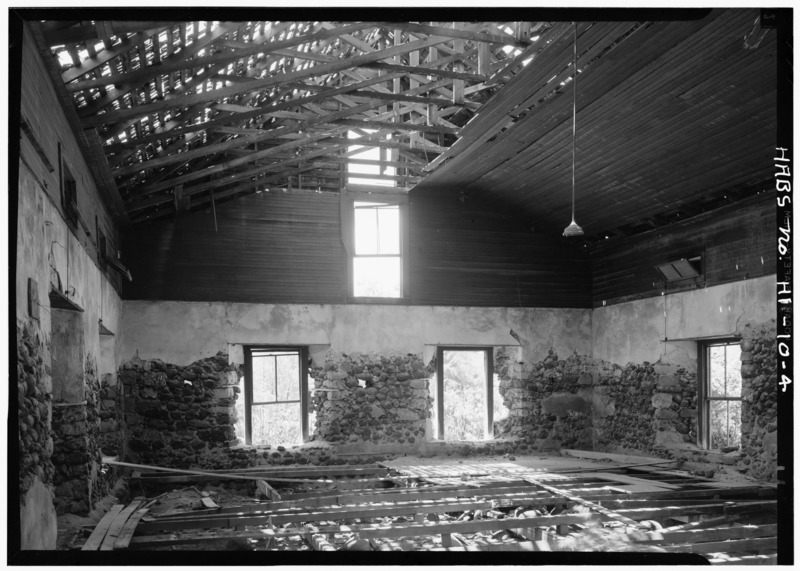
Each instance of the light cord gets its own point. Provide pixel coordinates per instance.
(574, 112)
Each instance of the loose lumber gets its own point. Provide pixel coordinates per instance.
(594, 507)
(656, 486)
(517, 546)
(117, 525)
(662, 537)
(745, 560)
(218, 475)
(125, 535)
(318, 542)
(624, 458)
(726, 546)
(268, 490)
(99, 533)
(208, 503)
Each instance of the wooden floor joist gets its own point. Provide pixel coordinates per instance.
(278, 518)
(317, 516)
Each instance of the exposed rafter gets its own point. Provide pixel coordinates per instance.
(226, 106)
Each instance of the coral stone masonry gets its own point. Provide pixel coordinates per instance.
(369, 398)
(180, 416)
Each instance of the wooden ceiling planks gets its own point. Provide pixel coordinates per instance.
(633, 126)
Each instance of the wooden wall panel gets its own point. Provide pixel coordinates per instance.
(474, 253)
(286, 248)
(737, 242)
(269, 248)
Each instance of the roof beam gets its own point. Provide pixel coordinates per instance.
(428, 71)
(146, 74)
(127, 84)
(101, 30)
(216, 94)
(255, 112)
(461, 33)
(92, 63)
(331, 117)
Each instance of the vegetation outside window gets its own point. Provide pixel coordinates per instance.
(720, 394)
(275, 408)
(467, 400)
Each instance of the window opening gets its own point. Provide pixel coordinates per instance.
(377, 261)
(721, 395)
(467, 401)
(69, 193)
(275, 407)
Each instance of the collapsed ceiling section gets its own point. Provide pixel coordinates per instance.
(187, 113)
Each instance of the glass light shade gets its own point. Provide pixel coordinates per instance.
(573, 230)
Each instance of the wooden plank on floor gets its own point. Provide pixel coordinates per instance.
(623, 458)
(209, 503)
(99, 532)
(268, 491)
(517, 546)
(592, 506)
(125, 535)
(654, 486)
(116, 526)
(745, 560)
(661, 537)
(294, 472)
(728, 546)
(318, 542)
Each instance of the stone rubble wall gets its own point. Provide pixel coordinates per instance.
(379, 406)
(654, 408)
(180, 417)
(760, 406)
(370, 398)
(110, 413)
(549, 407)
(34, 410)
(639, 409)
(80, 479)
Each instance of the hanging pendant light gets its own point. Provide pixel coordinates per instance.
(573, 229)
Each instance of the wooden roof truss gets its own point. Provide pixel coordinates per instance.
(192, 110)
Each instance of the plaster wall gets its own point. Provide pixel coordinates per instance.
(47, 249)
(633, 332)
(184, 332)
(45, 242)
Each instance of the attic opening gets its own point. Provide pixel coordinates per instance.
(367, 165)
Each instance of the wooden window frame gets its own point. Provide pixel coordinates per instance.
(348, 200)
(68, 188)
(489, 388)
(248, 387)
(704, 388)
